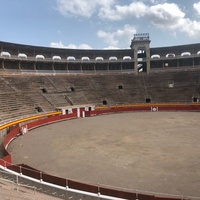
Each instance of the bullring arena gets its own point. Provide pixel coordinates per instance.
(126, 122)
(119, 150)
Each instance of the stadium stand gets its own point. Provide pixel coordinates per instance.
(24, 94)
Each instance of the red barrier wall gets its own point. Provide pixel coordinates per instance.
(12, 134)
(118, 193)
(50, 120)
(54, 180)
(83, 186)
(148, 107)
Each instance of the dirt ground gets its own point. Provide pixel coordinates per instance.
(157, 152)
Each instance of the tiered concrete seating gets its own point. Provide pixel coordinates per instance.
(41, 82)
(39, 100)
(57, 99)
(30, 94)
(173, 86)
(77, 98)
(14, 105)
(18, 83)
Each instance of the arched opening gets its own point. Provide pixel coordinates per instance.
(72, 88)
(22, 55)
(5, 54)
(155, 56)
(105, 102)
(170, 55)
(40, 57)
(85, 58)
(71, 58)
(113, 58)
(56, 58)
(195, 99)
(148, 100)
(126, 58)
(39, 109)
(44, 90)
(120, 87)
(99, 59)
(186, 54)
(142, 67)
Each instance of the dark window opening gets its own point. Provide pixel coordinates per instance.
(171, 84)
(120, 87)
(142, 67)
(72, 89)
(148, 100)
(105, 102)
(142, 55)
(44, 90)
(195, 99)
(39, 109)
(90, 108)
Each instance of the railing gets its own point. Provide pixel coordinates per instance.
(24, 175)
(65, 187)
(65, 60)
(16, 58)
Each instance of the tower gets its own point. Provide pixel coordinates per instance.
(141, 46)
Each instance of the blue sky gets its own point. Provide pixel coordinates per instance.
(99, 24)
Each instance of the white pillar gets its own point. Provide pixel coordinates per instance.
(78, 112)
(63, 111)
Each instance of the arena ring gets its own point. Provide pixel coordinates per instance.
(140, 148)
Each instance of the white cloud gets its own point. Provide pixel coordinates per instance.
(157, 1)
(70, 46)
(169, 17)
(163, 11)
(160, 13)
(113, 39)
(191, 28)
(83, 8)
(108, 37)
(57, 45)
(111, 47)
(136, 9)
(196, 7)
(165, 16)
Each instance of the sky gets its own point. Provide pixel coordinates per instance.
(99, 24)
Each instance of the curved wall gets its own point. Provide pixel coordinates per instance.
(41, 58)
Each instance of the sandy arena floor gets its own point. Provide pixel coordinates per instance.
(158, 152)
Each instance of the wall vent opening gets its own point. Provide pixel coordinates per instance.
(148, 100)
(195, 99)
(38, 109)
(120, 87)
(105, 102)
(44, 90)
(72, 89)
